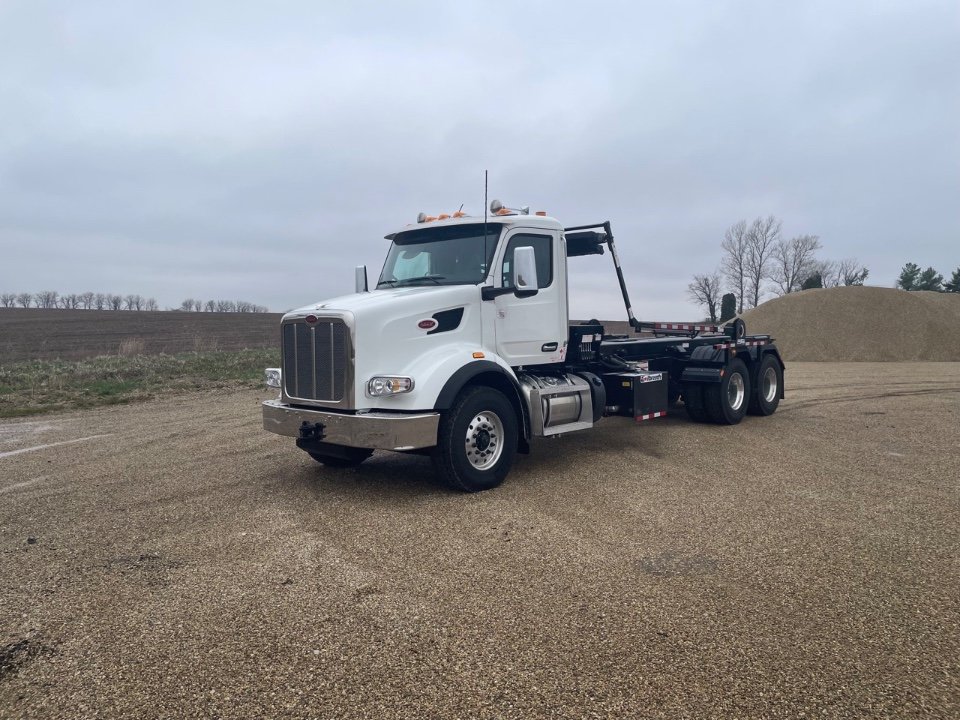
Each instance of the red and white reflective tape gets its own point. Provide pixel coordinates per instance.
(650, 416)
(741, 343)
(683, 326)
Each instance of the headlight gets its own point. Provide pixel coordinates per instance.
(389, 385)
(271, 376)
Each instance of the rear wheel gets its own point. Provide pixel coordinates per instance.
(726, 401)
(766, 396)
(477, 440)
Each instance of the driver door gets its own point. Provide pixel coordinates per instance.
(533, 330)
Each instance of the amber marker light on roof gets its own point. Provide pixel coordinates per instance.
(478, 355)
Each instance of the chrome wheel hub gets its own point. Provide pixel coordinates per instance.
(769, 385)
(735, 391)
(484, 440)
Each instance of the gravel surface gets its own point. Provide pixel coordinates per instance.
(180, 562)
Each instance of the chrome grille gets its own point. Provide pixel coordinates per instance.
(316, 359)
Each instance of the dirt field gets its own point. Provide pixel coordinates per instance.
(34, 334)
(173, 560)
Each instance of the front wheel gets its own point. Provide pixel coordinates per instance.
(477, 440)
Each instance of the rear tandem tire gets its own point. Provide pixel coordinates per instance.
(766, 396)
(477, 440)
(727, 400)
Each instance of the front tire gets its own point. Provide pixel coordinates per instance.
(477, 440)
(727, 400)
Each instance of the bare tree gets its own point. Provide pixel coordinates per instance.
(150, 304)
(100, 301)
(115, 302)
(793, 262)
(86, 300)
(851, 272)
(187, 304)
(198, 305)
(827, 270)
(24, 299)
(761, 240)
(8, 300)
(210, 306)
(225, 306)
(734, 262)
(706, 290)
(47, 299)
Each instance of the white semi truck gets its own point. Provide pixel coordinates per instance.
(464, 350)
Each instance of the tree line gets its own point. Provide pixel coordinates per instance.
(756, 259)
(191, 305)
(50, 299)
(913, 278)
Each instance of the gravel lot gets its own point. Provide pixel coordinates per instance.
(187, 564)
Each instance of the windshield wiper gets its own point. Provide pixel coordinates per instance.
(409, 281)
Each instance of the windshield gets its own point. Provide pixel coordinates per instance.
(451, 255)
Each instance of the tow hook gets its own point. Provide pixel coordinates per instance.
(312, 431)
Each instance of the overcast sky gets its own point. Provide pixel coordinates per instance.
(261, 150)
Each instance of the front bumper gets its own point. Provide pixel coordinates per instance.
(375, 430)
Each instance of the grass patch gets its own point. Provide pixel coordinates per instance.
(29, 388)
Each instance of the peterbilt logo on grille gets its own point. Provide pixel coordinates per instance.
(311, 319)
(427, 324)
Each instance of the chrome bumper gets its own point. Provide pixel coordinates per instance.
(376, 430)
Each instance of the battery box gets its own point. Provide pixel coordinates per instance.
(641, 395)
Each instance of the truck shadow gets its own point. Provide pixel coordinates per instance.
(402, 477)
(396, 476)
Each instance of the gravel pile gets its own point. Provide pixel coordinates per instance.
(861, 324)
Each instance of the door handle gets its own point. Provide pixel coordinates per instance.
(549, 347)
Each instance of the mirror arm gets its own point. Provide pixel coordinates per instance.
(491, 293)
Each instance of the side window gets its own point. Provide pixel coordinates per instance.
(543, 251)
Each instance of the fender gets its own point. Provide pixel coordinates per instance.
(461, 377)
(456, 382)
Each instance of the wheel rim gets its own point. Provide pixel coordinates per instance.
(735, 391)
(484, 440)
(770, 385)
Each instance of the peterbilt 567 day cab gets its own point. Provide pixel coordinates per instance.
(464, 350)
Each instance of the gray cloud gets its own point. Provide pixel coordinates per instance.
(261, 150)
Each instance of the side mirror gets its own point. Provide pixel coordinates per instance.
(360, 278)
(525, 271)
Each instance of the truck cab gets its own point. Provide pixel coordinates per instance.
(462, 349)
